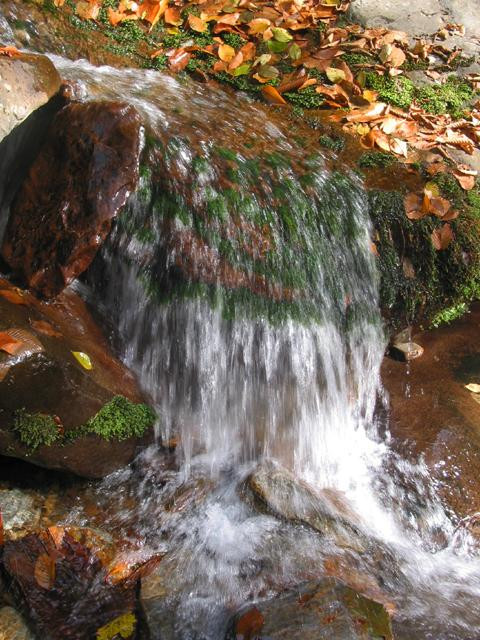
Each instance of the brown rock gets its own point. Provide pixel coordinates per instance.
(325, 610)
(59, 576)
(51, 382)
(78, 183)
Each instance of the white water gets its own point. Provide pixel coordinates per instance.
(236, 390)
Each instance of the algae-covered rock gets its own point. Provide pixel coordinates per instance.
(325, 610)
(55, 410)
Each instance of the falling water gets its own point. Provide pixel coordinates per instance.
(242, 291)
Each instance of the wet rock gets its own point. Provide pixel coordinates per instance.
(76, 186)
(55, 412)
(13, 626)
(328, 512)
(27, 82)
(61, 577)
(405, 351)
(19, 511)
(325, 610)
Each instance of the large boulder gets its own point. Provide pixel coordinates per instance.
(79, 181)
(66, 402)
(325, 610)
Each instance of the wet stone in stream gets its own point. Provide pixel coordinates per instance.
(326, 610)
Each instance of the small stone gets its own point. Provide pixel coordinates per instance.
(18, 511)
(405, 351)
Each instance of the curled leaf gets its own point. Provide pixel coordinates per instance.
(44, 571)
(442, 237)
(83, 359)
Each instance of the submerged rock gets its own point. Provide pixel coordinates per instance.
(325, 511)
(19, 511)
(76, 186)
(13, 626)
(62, 578)
(325, 610)
(66, 402)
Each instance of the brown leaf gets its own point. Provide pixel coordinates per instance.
(226, 52)
(179, 60)
(413, 206)
(372, 112)
(44, 571)
(439, 207)
(272, 95)
(46, 328)
(9, 344)
(13, 295)
(88, 10)
(442, 237)
(467, 182)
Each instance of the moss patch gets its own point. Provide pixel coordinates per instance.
(376, 159)
(451, 97)
(35, 430)
(120, 419)
(418, 283)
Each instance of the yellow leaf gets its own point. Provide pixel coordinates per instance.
(335, 75)
(226, 52)
(474, 388)
(123, 626)
(83, 359)
(259, 25)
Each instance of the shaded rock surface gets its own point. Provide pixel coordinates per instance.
(43, 378)
(326, 610)
(18, 510)
(13, 626)
(26, 83)
(76, 186)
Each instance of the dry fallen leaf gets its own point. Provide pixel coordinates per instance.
(44, 571)
(442, 237)
(474, 388)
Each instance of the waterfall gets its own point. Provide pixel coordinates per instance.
(242, 290)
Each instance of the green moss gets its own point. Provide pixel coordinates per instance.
(398, 91)
(120, 419)
(451, 97)
(306, 99)
(334, 143)
(443, 282)
(446, 316)
(353, 59)
(376, 159)
(35, 430)
(233, 39)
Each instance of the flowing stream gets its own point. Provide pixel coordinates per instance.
(240, 287)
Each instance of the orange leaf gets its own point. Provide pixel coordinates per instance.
(44, 571)
(88, 10)
(152, 11)
(271, 95)
(179, 60)
(236, 61)
(439, 207)
(9, 344)
(172, 16)
(413, 206)
(12, 295)
(467, 182)
(11, 52)
(442, 237)
(197, 24)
